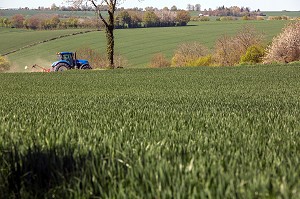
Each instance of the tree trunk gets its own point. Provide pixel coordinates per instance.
(110, 45)
(110, 38)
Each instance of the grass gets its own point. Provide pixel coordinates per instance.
(151, 133)
(10, 13)
(136, 45)
(13, 39)
(283, 13)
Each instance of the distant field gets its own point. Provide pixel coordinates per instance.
(10, 13)
(137, 45)
(12, 39)
(227, 132)
(281, 13)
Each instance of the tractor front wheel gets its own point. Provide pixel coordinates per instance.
(61, 67)
(86, 66)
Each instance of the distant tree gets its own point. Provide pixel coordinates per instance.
(34, 22)
(54, 7)
(197, 7)
(166, 8)
(167, 18)
(189, 7)
(174, 8)
(183, 17)
(150, 19)
(136, 19)
(17, 21)
(149, 9)
(124, 18)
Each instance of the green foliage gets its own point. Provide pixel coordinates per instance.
(200, 18)
(278, 18)
(202, 61)
(150, 19)
(141, 133)
(4, 64)
(254, 55)
(183, 17)
(229, 18)
(245, 17)
(123, 18)
(187, 53)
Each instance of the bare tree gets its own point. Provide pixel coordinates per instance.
(108, 23)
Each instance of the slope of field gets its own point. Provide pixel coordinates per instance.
(283, 13)
(63, 14)
(13, 39)
(151, 133)
(139, 45)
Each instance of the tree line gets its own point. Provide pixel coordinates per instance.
(123, 19)
(232, 11)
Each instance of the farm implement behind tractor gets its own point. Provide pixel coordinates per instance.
(47, 70)
(66, 61)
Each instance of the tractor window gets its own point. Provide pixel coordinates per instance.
(66, 57)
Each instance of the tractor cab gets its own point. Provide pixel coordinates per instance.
(67, 56)
(68, 60)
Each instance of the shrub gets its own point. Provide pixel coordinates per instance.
(187, 52)
(200, 18)
(245, 18)
(159, 61)
(202, 61)
(254, 54)
(17, 21)
(98, 60)
(260, 18)
(120, 61)
(278, 17)
(285, 47)
(4, 64)
(229, 50)
(183, 17)
(229, 18)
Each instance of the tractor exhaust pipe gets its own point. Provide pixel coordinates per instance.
(75, 60)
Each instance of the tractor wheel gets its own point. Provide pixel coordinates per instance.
(61, 67)
(86, 66)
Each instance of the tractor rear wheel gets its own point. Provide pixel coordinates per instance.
(86, 66)
(61, 67)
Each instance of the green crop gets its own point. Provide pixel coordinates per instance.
(151, 133)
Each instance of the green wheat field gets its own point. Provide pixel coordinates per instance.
(151, 133)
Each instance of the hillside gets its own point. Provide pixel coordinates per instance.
(136, 45)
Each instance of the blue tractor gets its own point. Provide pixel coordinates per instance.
(68, 60)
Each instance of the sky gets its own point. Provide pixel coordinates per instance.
(264, 5)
